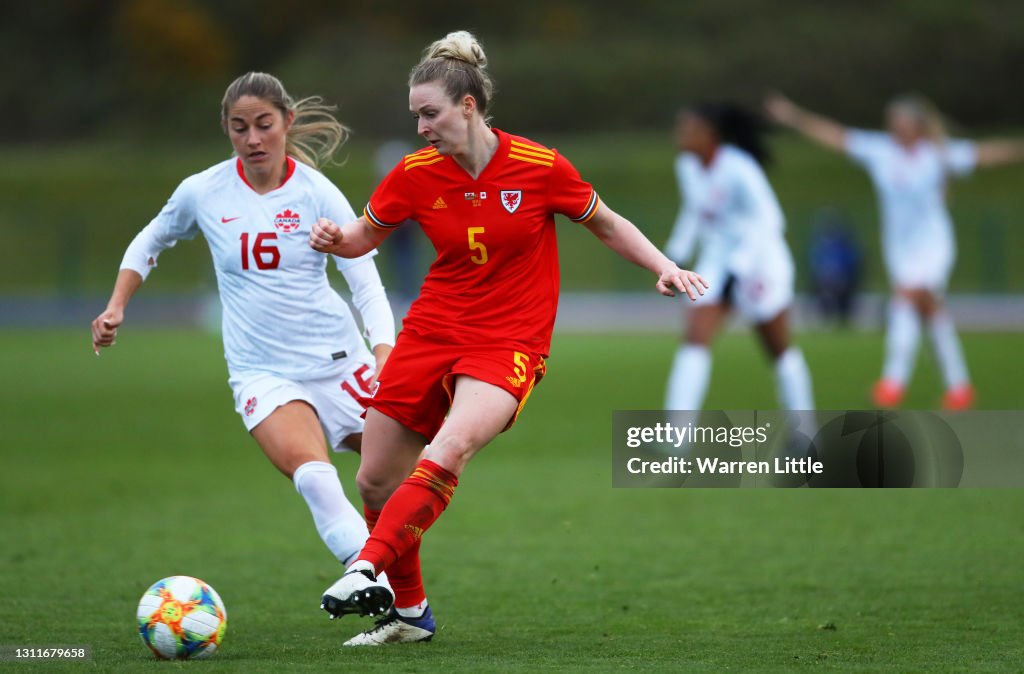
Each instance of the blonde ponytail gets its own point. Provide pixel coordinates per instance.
(315, 134)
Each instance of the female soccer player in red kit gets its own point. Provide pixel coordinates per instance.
(473, 344)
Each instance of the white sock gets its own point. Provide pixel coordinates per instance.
(362, 565)
(902, 336)
(689, 377)
(947, 349)
(412, 611)
(794, 380)
(337, 521)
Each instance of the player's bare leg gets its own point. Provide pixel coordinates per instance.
(911, 307)
(355, 442)
(293, 440)
(291, 436)
(392, 455)
(479, 412)
(902, 337)
(948, 351)
(793, 379)
(389, 454)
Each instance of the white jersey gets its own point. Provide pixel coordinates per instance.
(917, 231)
(280, 314)
(730, 206)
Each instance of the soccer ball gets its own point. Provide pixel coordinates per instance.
(181, 617)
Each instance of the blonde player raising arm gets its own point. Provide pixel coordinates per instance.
(299, 368)
(910, 165)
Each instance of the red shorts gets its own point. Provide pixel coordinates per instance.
(417, 383)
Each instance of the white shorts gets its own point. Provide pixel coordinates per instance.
(759, 294)
(337, 399)
(927, 268)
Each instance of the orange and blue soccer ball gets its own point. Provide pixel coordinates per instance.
(181, 618)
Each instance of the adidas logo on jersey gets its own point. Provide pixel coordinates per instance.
(440, 204)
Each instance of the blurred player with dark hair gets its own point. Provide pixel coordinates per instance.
(475, 341)
(731, 209)
(910, 165)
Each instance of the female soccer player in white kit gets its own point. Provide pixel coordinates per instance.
(730, 207)
(910, 165)
(298, 366)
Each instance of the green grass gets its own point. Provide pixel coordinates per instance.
(117, 471)
(68, 212)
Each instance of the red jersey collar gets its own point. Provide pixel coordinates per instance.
(287, 174)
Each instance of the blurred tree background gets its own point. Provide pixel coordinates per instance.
(85, 67)
(110, 103)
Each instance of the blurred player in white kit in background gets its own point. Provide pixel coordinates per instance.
(910, 165)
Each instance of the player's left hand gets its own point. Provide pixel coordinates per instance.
(689, 282)
(325, 236)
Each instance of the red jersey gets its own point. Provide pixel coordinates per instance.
(495, 279)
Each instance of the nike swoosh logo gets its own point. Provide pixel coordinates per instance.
(227, 220)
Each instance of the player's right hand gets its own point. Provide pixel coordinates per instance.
(104, 329)
(325, 236)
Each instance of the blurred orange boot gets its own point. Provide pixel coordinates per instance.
(959, 398)
(887, 393)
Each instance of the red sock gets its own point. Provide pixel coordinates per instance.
(404, 575)
(371, 516)
(410, 511)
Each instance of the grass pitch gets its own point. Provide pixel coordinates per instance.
(124, 469)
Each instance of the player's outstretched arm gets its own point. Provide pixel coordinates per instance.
(624, 238)
(104, 327)
(999, 152)
(353, 239)
(818, 128)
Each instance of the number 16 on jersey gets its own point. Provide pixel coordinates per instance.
(260, 250)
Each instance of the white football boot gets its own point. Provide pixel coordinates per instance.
(395, 629)
(358, 591)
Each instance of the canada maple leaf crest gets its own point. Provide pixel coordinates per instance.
(287, 221)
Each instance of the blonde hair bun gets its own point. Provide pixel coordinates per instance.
(460, 45)
(457, 62)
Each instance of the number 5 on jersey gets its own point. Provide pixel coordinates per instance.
(479, 255)
(259, 250)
